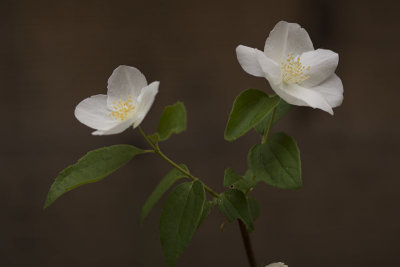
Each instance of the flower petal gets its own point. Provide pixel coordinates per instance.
(270, 68)
(332, 90)
(93, 112)
(287, 38)
(125, 81)
(247, 58)
(322, 65)
(118, 128)
(145, 101)
(301, 96)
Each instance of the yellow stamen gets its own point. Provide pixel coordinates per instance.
(293, 71)
(122, 109)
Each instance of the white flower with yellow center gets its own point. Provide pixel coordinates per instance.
(277, 264)
(127, 102)
(296, 72)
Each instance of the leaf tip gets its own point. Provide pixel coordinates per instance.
(229, 137)
(48, 202)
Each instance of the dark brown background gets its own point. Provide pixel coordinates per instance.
(56, 53)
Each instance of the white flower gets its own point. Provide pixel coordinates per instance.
(127, 102)
(277, 264)
(296, 72)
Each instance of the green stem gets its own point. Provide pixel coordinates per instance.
(268, 130)
(146, 138)
(176, 166)
(212, 192)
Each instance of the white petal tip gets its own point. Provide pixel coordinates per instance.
(97, 133)
(330, 111)
(240, 47)
(242, 50)
(277, 264)
(135, 125)
(247, 57)
(124, 70)
(156, 84)
(326, 109)
(125, 67)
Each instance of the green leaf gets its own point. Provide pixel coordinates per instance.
(180, 218)
(277, 163)
(173, 176)
(254, 208)
(249, 109)
(208, 205)
(93, 167)
(233, 204)
(249, 175)
(173, 120)
(281, 110)
(235, 181)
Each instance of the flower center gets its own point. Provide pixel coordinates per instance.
(293, 71)
(122, 109)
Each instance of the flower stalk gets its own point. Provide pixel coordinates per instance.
(176, 166)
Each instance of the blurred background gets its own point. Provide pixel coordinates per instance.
(56, 53)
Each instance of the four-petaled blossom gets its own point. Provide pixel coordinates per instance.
(296, 72)
(127, 102)
(277, 264)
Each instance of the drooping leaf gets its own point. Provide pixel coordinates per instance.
(173, 120)
(173, 176)
(180, 218)
(208, 205)
(249, 109)
(277, 163)
(281, 110)
(93, 167)
(254, 208)
(233, 204)
(235, 181)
